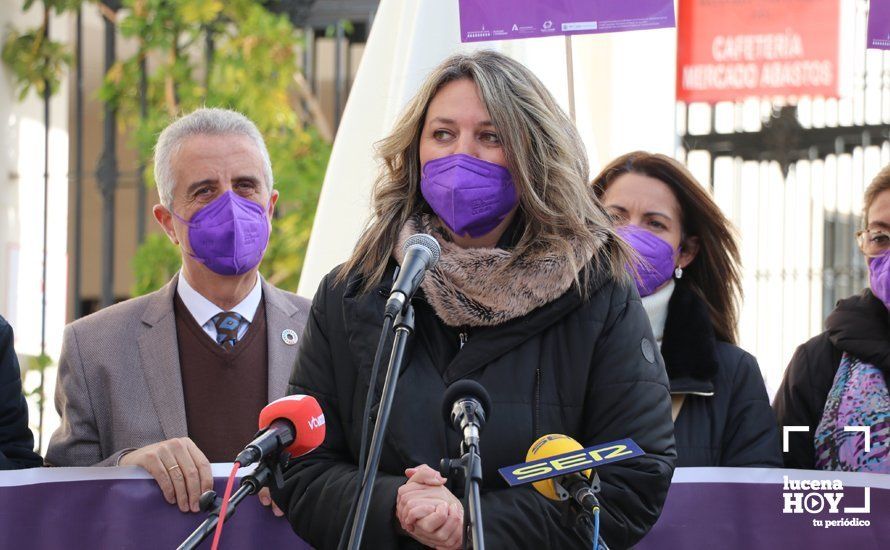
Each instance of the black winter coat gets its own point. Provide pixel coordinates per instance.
(588, 369)
(859, 326)
(16, 440)
(726, 418)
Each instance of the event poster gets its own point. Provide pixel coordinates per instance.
(483, 20)
(729, 50)
(879, 24)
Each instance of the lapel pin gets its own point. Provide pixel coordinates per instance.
(289, 336)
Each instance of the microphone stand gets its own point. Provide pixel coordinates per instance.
(250, 484)
(471, 464)
(404, 327)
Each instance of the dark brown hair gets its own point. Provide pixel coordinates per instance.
(877, 186)
(714, 273)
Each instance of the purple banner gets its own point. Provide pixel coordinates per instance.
(771, 509)
(879, 24)
(726, 508)
(484, 20)
(90, 508)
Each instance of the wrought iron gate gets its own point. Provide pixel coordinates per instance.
(791, 177)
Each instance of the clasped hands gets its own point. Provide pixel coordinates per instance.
(428, 511)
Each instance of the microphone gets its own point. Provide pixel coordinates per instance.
(573, 486)
(553, 464)
(421, 252)
(465, 406)
(292, 424)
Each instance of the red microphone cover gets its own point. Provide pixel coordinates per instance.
(304, 412)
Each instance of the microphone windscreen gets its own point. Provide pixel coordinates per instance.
(304, 412)
(461, 389)
(545, 447)
(428, 242)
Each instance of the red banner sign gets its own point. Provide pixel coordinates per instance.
(735, 49)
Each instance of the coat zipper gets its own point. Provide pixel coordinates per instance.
(463, 338)
(536, 422)
(697, 393)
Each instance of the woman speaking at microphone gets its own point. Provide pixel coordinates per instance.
(530, 298)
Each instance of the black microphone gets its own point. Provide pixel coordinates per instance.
(465, 406)
(421, 252)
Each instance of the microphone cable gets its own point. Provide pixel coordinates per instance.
(596, 528)
(595, 511)
(225, 505)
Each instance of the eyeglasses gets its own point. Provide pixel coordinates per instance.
(873, 242)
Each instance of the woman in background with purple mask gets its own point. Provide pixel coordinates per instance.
(691, 291)
(839, 378)
(530, 298)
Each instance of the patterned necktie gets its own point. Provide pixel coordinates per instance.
(228, 324)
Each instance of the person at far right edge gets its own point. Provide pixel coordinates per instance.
(839, 378)
(720, 407)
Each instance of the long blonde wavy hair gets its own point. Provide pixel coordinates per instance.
(544, 154)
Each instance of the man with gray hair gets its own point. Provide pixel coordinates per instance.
(174, 380)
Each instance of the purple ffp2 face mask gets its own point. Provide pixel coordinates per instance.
(657, 255)
(879, 278)
(229, 235)
(471, 196)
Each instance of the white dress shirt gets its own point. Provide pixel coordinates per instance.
(203, 310)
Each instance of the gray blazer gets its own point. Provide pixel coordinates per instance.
(120, 387)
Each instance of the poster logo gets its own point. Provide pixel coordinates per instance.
(484, 33)
(580, 26)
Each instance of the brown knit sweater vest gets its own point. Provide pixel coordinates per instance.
(224, 391)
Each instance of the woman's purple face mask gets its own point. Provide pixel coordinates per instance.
(649, 218)
(879, 277)
(657, 258)
(469, 195)
(875, 244)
